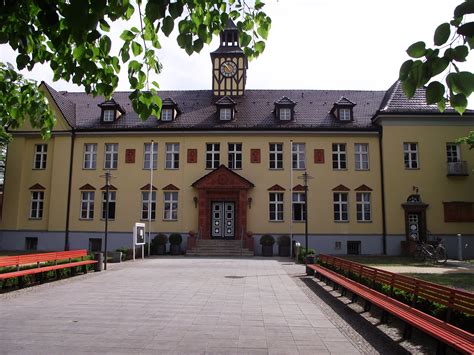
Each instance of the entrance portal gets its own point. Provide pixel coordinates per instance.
(223, 220)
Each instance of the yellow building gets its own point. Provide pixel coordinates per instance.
(228, 164)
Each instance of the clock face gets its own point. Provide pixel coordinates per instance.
(228, 68)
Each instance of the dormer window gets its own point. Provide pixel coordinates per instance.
(111, 111)
(343, 110)
(169, 110)
(225, 108)
(284, 109)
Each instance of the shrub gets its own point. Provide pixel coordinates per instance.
(284, 240)
(303, 253)
(175, 239)
(160, 239)
(267, 240)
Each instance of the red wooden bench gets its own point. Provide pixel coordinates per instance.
(369, 278)
(42, 261)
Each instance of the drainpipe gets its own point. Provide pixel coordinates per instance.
(69, 188)
(382, 183)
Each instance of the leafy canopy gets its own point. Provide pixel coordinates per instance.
(72, 37)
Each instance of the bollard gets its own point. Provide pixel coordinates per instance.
(459, 247)
(100, 261)
(297, 251)
(310, 259)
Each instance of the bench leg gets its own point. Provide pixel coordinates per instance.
(354, 298)
(367, 306)
(441, 348)
(20, 282)
(343, 293)
(384, 318)
(84, 269)
(407, 331)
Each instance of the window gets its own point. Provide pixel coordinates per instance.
(340, 207)
(148, 155)
(410, 155)
(353, 247)
(87, 204)
(276, 206)
(172, 156)
(167, 114)
(148, 204)
(453, 153)
(170, 211)
(361, 156)
(225, 114)
(339, 159)
(235, 155)
(90, 156)
(298, 206)
(112, 199)
(276, 156)
(363, 207)
(109, 115)
(37, 201)
(285, 114)
(31, 243)
(41, 151)
(298, 156)
(344, 114)
(111, 156)
(212, 155)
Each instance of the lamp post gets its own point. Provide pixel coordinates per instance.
(107, 176)
(305, 178)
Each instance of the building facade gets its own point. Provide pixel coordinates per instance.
(228, 163)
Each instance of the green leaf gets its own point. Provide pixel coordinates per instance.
(462, 82)
(405, 69)
(22, 60)
(259, 47)
(175, 9)
(442, 105)
(438, 65)
(127, 35)
(78, 52)
(263, 31)
(466, 30)
(442, 34)
(104, 26)
(408, 88)
(136, 48)
(459, 103)
(460, 53)
(466, 7)
(197, 46)
(105, 44)
(434, 92)
(417, 50)
(168, 25)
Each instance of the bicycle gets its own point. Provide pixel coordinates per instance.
(437, 255)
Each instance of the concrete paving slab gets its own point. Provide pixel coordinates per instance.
(171, 305)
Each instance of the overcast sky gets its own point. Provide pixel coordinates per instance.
(313, 44)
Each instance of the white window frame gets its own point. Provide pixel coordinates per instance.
(344, 114)
(111, 156)
(275, 159)
(410, 155)
(87, 205)
(41, 153)
(275, 206)
(453, 152)
(170, 206)
(285, 114)
(109, 115)
(364, 206)
(298, 201)
(172, 156)
(37, 204)
(234, 155)
(225, 113)
(147, 154)
(112, 202)
(90, 156)
(298, 156)
(339, 156)
(341, 206)
(167, 114)
(361, 152)
(148, 203)
(213, 155)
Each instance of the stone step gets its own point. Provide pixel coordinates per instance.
(221, 253)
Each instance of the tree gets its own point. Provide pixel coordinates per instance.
(72, 36)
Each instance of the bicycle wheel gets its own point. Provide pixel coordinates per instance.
(429, 252)
(441, 254)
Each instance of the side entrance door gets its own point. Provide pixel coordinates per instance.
(223, 220)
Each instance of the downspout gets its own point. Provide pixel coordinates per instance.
(382, 183)
(69, 188)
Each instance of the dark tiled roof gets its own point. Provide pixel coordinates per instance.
(344, 101)
(285, 101)
(254, 111)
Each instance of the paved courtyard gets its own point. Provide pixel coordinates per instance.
(172, 305)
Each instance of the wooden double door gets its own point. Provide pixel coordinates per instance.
(223, 220)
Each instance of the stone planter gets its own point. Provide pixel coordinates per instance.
(267, 250)
(175, 249)
(161, 249)
(283, 250)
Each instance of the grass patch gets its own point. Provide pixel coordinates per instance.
(462, 281)
(379, 260)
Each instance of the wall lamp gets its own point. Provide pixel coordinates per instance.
(195, 199)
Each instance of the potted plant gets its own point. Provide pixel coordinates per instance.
(158, 244)
(284, 245)
(175, 243)
(267, 242)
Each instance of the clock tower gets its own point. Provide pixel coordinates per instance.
(229, 64)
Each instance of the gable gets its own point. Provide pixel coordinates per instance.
(222, 179)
